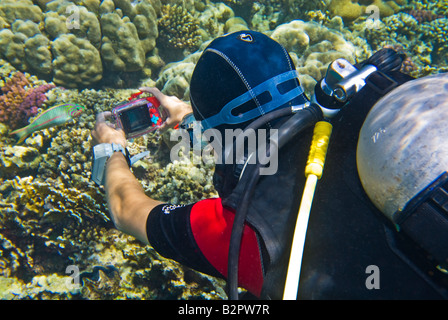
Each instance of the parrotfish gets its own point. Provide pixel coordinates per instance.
(54, 116)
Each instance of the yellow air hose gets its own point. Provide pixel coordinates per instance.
(313, 172)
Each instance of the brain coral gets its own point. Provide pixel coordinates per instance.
(401, 27)
(68, 42)
(76, 61)
(437, 31)
(12, 10)
(129, 32)
(425, 41)
(25, 47)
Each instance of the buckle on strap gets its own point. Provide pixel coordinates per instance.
(278, 99)
(425, 219)
(381, 83)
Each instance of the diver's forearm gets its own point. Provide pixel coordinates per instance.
(126, 199)
(118, 179)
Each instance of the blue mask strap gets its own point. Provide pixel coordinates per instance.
(278, 99)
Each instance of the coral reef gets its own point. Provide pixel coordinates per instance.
(402, 27)
(11, 10)
(68, 43)
(52, 217)
(210, 18)
(180, 182)
(48, 226)
(35, 216)
(178, 29)
(18, 160)
(424, 41)
(312, 47)
(351, 10)
(298, 9)
(424, 15)
(112, 42)
(76, 62)
(20, 100)
(37, 36)
(437, 7)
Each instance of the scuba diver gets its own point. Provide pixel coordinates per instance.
(369, 235)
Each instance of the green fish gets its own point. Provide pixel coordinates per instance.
(54, 116)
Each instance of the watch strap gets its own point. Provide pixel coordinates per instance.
(101, 153)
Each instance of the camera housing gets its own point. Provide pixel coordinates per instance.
(138, 116)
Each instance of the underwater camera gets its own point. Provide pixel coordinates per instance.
(138, 116)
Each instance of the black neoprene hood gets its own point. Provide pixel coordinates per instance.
(234, 64)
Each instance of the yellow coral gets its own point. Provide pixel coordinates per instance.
(50, 199)
(350, 10)
(49, 37)
(12, 10)
(178, 29)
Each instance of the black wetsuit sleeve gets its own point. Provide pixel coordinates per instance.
(169, 233)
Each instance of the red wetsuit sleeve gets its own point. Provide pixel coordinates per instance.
(211, 225)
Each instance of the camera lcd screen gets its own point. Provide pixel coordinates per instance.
(136, 119)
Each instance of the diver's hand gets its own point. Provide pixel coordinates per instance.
(176, 108)
(104, 133)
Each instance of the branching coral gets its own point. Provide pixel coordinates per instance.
(437, 33)
(298, 9)
(178, 29)
(435, 6)
(14, 93)
(20, 100)
(401, 27)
